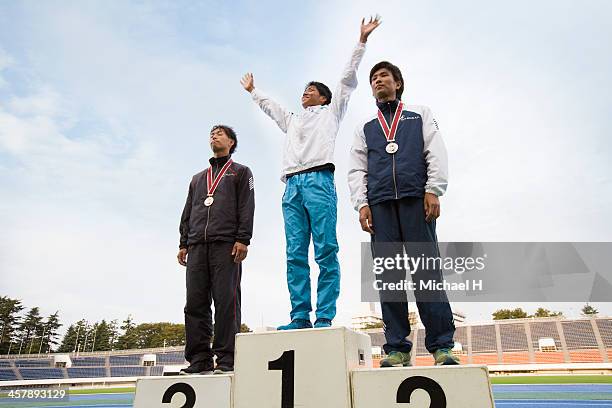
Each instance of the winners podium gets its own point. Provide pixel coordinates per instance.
(317, 368)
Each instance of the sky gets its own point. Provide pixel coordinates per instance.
(105, 110)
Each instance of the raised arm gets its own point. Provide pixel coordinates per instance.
(348, 82)
(280, 115)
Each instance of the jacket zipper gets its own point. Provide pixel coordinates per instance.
(208, 213)
(206, 227)
(394, 182)
(393, 156)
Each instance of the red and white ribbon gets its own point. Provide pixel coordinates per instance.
(213, 184)
(390, 133)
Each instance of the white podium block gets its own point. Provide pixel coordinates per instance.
(307, 368)
(433, 387)
(189, 391)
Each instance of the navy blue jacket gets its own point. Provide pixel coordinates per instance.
(418, 166)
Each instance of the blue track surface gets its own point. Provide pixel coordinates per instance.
(506, 396)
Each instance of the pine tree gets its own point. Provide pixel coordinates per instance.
(69, 340)
(589, 310)
(129, 338)
(102, 337)
(113, 330)
(74, 337)
(9, 322)
(50, 333)
(503, 314)
(30, 331)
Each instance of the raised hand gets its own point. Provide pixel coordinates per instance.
(367, 28)
(247, 82)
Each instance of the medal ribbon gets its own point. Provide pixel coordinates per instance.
(390, 133)
(213, 184)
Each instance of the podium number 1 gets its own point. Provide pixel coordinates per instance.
(285, 363)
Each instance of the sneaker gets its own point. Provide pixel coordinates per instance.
(445, 356)
(196, 369)
(396, 359)
(223, 370)
(296, 324)
(322, 323)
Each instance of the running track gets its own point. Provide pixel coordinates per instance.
(506, 396)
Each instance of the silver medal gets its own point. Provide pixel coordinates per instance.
(209, 200)
(392, 148)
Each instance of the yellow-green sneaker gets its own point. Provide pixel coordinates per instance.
(445, 356)
(396, 359)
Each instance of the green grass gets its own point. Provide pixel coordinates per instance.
(553, 379)
(117, 390)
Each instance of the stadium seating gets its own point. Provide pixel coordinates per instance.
(483, 339)
(173, 357)
(7, 375)
(157, 370)
(40, 373)
(522, 341)
(125, 360)
(513, 337)
(88, 362)
(47, 362)
(86, 372)
(579, 335)
(129, 371)
(605, 330)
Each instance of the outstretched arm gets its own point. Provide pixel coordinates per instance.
(281, 116)
(348, 82)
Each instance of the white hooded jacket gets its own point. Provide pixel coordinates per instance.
(311, 134)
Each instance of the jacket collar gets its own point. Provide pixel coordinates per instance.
(388, 107)
(220, 161)
(315, 108)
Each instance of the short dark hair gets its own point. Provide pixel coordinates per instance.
(395, 71)
(230, 133)
(323, 90)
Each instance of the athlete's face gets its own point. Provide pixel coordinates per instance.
(312, 97)
(220, 142)
(384, 86)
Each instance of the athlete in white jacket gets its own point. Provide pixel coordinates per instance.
(309, 202)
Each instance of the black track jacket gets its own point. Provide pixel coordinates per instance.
(230, 217)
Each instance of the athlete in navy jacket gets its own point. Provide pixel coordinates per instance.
(398, 170)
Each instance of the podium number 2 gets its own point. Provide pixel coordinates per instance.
(180, 388)
(285, 363)
(409, 385)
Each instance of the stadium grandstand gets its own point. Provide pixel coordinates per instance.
(523, 345)
(531, 341)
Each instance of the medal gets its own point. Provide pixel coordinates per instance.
(213, 184)
(392, 146)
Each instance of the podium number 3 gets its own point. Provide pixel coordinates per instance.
(409, 385)
(180, 388)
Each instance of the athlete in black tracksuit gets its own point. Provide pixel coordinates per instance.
(210, 234)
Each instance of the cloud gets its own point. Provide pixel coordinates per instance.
(105, 110)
